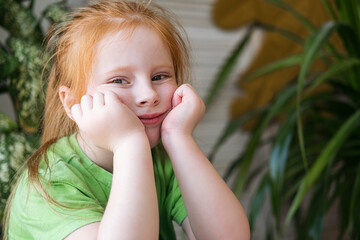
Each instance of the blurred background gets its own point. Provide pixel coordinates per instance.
(280, 81)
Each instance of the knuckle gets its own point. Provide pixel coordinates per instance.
(74, 107)
(85, 98)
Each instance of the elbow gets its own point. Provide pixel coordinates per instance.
(237, 230)
(240, 232)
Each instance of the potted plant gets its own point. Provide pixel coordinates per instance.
(315, 150)
(21, 67)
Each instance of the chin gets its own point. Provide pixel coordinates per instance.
(153, 136)
(154, 142)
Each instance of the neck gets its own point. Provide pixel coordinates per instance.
(101, 157)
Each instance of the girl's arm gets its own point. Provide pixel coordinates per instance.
(213, 210)
(132, 209)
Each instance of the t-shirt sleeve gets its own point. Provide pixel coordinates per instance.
(35, 218)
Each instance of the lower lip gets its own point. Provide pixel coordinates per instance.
(152, 121)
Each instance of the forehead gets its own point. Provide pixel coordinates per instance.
(127, 46)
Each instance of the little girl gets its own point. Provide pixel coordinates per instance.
(118, 160)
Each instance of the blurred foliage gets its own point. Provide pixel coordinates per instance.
(21, 66)
(310, 94)
(284, 37)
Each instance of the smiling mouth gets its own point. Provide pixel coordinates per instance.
(151, 119)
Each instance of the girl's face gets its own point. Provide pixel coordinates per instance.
(139, 70)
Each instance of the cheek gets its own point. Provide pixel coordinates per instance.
(168, 93)
(124, 95)
(91, 89)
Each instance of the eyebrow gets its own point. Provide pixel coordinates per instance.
(119, 69)
(130, 69)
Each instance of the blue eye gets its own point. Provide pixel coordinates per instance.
(159, 77)
(119, 81)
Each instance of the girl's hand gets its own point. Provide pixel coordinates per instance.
(188, 110)
(105, 120)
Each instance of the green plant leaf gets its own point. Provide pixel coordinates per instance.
(280, 154)
(312, 47)
(227, 68)
(326, 155)
(231, 128)
(330, 9)
(298, 16)
(319, 205)
(350, 40)
(234, 164)
(278, 158)
(347, 90)
(355, 200)
(20, 22)
(285, 33)
(55, 12)
(6, 123)
(288, 8)
(336, 68)
(312, 228)
(323, 164)
(8, 63)
(276, 107)
(274, 66)
(257, 200)
(26, 85)
(345, 188)
(349, 13)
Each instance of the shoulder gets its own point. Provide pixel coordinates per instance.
(65, 149)
(64, 160)
(73, 203)
(79, 190)
(68, 166)
(35, 217)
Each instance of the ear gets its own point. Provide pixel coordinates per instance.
(67, 99)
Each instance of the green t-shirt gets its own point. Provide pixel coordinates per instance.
(79, 183)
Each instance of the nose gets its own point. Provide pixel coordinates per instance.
(147, 96)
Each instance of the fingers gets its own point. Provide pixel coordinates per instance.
(98, 100)
(86, 102)
(177, 97)
(76, 112)
(186, 94)
(185, 90)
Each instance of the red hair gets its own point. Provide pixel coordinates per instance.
(72, 46)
